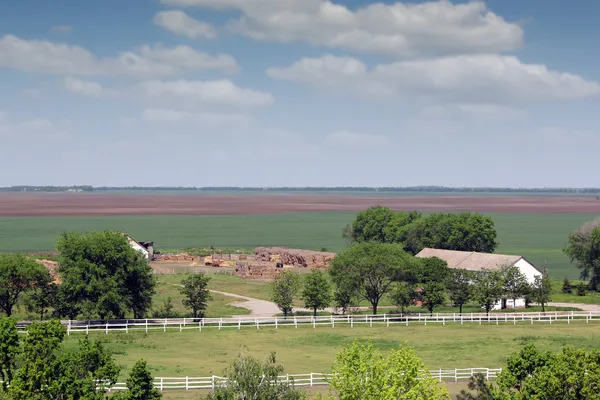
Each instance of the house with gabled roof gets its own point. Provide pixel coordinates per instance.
(477, 262)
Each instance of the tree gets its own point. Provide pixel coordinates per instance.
(250, 379)
(344, 298)
(433, 269)
(403, 295)
(460, 286)
(541, 290)
(140, 385)
(284, 289)
(9, 350)
(42, 294)
(488, 288)
(370, 268)
(451, 231)
(531, 374)
(370, 225)
(103, 276)
(196, 293)
(38, 371)
(567, 288)
(515, 283)
(581, 289)
(317, 291)
(18, 274)
(360, 372)
(433, 295)
(583, 248)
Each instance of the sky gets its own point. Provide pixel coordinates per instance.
(299, 93)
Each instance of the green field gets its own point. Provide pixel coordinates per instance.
(539, 237)
(304, 350)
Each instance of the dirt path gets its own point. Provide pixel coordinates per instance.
(258, 308)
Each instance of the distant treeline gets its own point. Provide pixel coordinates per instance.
(348, 189)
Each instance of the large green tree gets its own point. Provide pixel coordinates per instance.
(541, 289)
(317, 291)
(197, 295)
(460, 285)
(18, 274)
(140, 385)
(451, 231)
(369, 269)
(284, 290)
(102, 276)
(42, 293)
(515, 283)
(433, 295)
(488, 288)
(379, 224)
(583, 248)
(361, 372)
(9, 349)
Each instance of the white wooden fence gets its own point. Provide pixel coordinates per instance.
(181, 324)
(312, 379)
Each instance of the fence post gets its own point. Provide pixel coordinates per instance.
(256, 320)
(314, 320)
(276, 323)
(351, 321)
(187, 384)
(165, 326)
(126, 327)
(87, 327)
(239, 323)
(107, 327)
(295, 322)
(332, 322)
(146, 325)
(311, 379)
(220, 323)
(371, 321)
(213, 383)
(487, 374)
(455, 375)
(161, 384)
(440, 375)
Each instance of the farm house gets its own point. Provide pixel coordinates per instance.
(146, 248)
(476, 262)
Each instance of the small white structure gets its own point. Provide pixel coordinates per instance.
(476, 262)
(146, 248)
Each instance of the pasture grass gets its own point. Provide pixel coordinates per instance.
(303, 350)
(538, 237)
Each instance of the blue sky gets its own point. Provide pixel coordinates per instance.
(299, 93)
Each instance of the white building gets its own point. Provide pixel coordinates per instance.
(476, 262)
(146, 248)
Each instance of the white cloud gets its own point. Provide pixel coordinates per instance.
(399, 29)
(182, 24)
(31, 93)
(561, 136)
(36, 124)
(473, 78)
(190, 94)
(186, 119)
(61, 29)
(356, 140)
(62, 59)
(472, 110)
(83, 87)
(37, 129)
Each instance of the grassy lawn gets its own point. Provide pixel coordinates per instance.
(305, 350)
(539, 237)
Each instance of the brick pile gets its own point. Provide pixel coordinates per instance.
(295, 257)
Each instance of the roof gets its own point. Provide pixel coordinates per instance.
(470, 260)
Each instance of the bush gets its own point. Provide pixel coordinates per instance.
(581, 289)
(566, 287)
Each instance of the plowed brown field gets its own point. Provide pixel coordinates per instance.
(98, 204)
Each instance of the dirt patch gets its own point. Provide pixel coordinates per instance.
(52, 267)
(295, 257)
(101, 204)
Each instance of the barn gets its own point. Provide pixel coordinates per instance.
(474, 261)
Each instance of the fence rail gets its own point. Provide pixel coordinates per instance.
(312, 379)
(181, 324)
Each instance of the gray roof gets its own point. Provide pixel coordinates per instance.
(470, 260)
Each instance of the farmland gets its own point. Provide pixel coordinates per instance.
(538, 236)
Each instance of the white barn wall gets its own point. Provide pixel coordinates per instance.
(138, 247)
(528, 270)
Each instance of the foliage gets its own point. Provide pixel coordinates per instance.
(370, 268)
(403, 295)
(581, 289)
(567, 288)
(370, 225)
(42, 294)
(197, 295)
(9, 349)
(251, 379)
(284, 289)
(460, 286)
(361, 372)
(140, 385)
(488, 288)
(532, 374)
(541, 290)
(433, 295)
(432, 269)
(317, 291)
(515, 283)
(451, 231)
(583, 249)
(102, 276)
(479, 385)
(18, 274)
(344, 298)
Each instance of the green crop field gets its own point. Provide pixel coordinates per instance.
(539, 237)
